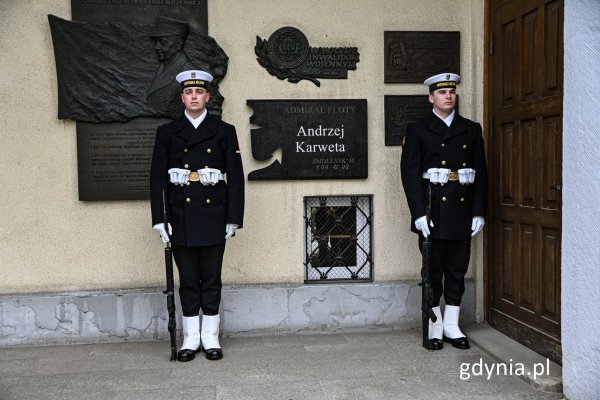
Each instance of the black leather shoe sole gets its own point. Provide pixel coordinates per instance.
(186, 355)
(460, 343)
(434, 344)
(213, 354)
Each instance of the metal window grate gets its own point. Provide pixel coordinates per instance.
(338, 238)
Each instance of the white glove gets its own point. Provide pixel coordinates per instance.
(160, 228)
(466, 175)
(438, 175)
(209, 176)
(443, 174)
(421, 224)
(433, 175)
(477, 225)
(230, 230)
(179, 176)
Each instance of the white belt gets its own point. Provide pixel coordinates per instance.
(452, 176)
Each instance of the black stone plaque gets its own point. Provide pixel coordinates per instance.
(413, 56)
(113, 159)
(401, 111)
(287, 55)
(319, 139)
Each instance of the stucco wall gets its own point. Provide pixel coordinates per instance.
(581, 178)
(50, 241)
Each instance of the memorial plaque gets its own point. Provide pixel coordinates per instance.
(413, 56)
(287, 55)
(401, 111)
(319, 139)
(113, 159)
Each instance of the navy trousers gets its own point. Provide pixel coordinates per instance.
(199, 278)
(449, 260)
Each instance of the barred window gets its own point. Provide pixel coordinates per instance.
(338, 238)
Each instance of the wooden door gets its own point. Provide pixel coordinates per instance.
(525, 92)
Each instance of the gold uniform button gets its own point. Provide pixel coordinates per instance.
(206, 166)
(443, 144)
(187, 200)
(464, 146)
(209, 151)
(444, 198)
(186, 166)
(443, 162)
(462, 199)
(464, 164)
(207, 201)
(187, 183)
(185, 150)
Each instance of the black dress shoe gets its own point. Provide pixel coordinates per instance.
(186, 355)
(433, 344)
(213, 354)
(460, 343)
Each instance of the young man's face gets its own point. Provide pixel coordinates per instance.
(195, 99)
(443, 100)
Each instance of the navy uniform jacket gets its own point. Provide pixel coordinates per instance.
(430, 143)
(197, 213)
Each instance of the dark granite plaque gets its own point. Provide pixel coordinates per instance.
(413, 56)
(287, 55)
(319, 139)
(401, 111)
(113, 159)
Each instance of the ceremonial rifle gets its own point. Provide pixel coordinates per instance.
(170, 286)
(426, 289)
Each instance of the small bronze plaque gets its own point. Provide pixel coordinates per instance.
(401, 111)
(413, 56)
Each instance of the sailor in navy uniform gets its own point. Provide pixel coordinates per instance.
(446, 151)
(198, 165)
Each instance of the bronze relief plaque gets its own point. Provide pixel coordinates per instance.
(413, 56)
(288, 55)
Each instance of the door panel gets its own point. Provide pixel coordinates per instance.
(525, 157)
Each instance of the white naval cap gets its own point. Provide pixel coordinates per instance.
(442, 81)
(194, 78)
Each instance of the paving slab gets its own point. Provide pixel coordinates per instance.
(350, 366)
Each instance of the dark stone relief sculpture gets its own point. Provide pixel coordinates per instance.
(115, 71)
